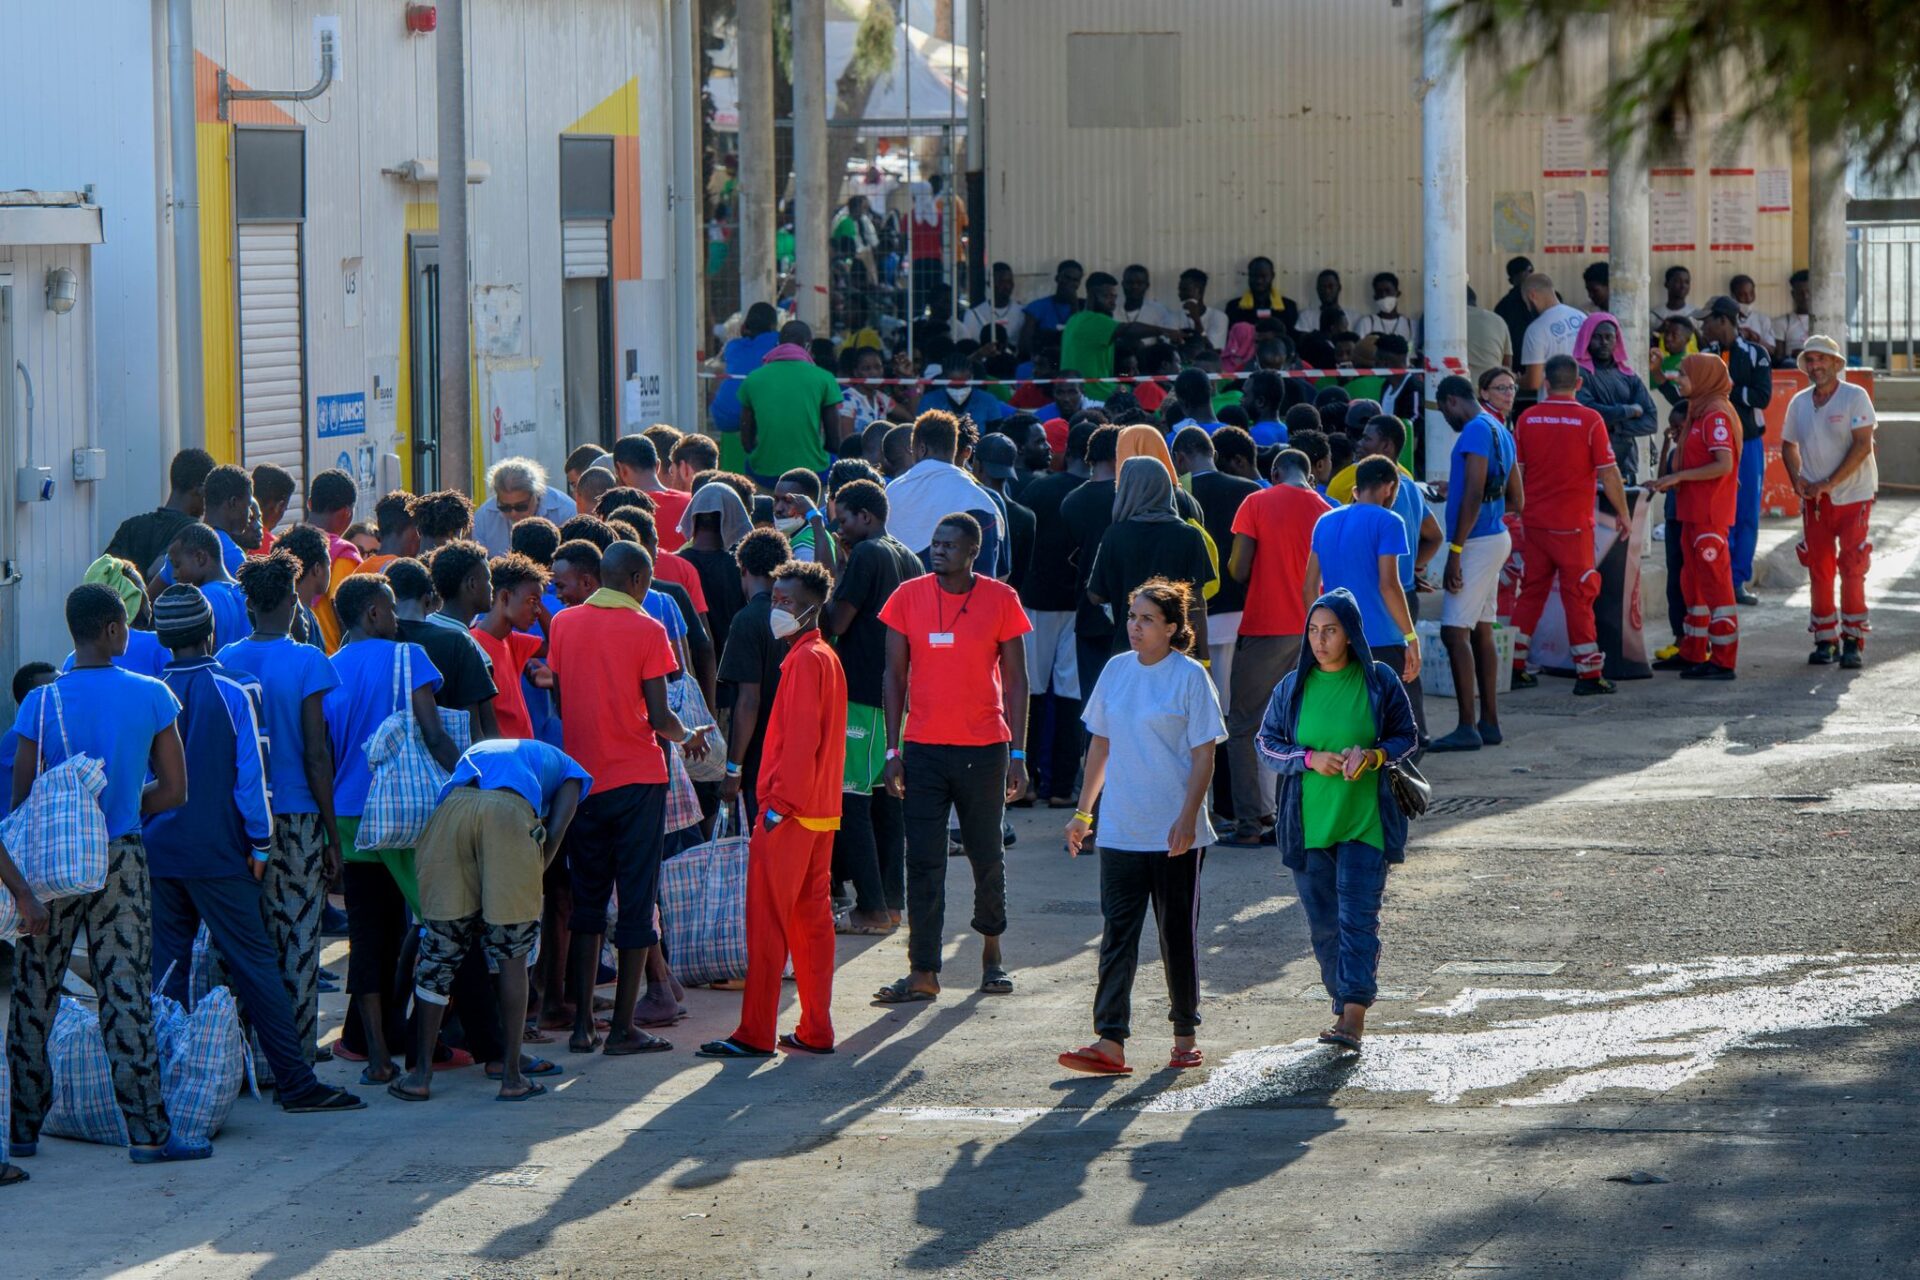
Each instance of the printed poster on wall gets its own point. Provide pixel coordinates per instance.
(1730, 219)
(1675, 221)
(1565, 150)
(1671, 156)
(1599, 222)
(1775, 190)
(1513, 222)
(1564, 222)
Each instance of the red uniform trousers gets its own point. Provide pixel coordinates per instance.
(1837, 535)
(1567, 555)
(1706, 581)
(789, 912)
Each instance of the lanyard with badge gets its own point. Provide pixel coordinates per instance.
(943, 638)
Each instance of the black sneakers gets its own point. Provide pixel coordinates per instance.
(1708, 671)
(1851, 656)
(1592, 688)
(1822, 655)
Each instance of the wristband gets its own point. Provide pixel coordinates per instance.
(1016, 755)
(1081, 815)
(1411, 637)
(733, 770)
(1456, 548)
(893, 753)
(261, 855)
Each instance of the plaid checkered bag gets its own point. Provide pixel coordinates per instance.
(84, 1105)
(58, 836)
(683, 802)
(690, 706)
(6, 1096)
(203, 1062)
(703, 904)
(406, 778)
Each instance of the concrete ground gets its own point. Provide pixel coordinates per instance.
(1672, 932)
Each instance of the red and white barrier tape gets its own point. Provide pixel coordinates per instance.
(1163, 381)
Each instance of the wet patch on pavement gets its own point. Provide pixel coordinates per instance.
(1627, 1042)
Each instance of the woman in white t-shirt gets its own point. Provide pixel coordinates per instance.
(1154, 720)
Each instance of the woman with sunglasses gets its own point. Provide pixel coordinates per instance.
(1498, 388)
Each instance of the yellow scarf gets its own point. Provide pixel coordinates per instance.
(608, 598)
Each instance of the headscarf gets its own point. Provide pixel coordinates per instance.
(1144, 492)
(1239, 351)
(1712, 387)
(1585, 336)
(788, 351)
(111, 571)
(1144, 442)
(718, 498)
(1056, 429)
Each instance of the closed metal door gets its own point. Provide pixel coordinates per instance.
(273, 396)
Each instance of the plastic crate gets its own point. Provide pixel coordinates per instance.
(1436, 673)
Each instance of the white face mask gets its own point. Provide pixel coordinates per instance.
(959, 394)
(783, 623)
(1387, 305)
(788, 525)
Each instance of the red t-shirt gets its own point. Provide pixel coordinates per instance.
(1563, 446)
(675, 570)
(668, 506)
(1151, 395)
(601, 657)
(1707, 502)
(953, 685)
(510, 658)
(1280, 520)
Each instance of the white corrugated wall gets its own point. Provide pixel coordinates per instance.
(1299, 139)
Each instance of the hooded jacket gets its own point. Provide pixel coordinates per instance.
(1394, 733)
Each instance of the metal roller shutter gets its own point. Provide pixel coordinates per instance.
(272, 391)
(584, 249)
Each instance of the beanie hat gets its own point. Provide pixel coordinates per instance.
(182, 618)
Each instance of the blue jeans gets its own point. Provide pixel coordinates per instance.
(1745, 535)
(1340, 891)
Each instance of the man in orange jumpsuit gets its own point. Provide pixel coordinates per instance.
(789, 892)
(1563, 454)
(1707, 483)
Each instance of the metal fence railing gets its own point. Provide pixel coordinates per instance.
(1883, 303)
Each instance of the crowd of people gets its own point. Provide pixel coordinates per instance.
(1186, 626)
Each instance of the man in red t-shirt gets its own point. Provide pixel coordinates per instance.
(1707, 488)
(957, 674)
(636, 462)
(1563, 453)
(1272, 537)
(610, 663)
(790, 866)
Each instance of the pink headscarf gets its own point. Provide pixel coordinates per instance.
(1239, 352)
(1587, 326)
(787, 351)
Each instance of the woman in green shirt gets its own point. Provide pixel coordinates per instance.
(1334, 724)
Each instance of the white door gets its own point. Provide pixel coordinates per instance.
(585, 251)
(272, 383)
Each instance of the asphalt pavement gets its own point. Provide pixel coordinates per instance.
(1649, 1009)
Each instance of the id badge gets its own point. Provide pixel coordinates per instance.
(940, 639)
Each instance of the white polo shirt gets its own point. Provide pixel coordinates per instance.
(1824, 433)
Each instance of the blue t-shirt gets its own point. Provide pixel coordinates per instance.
(529, 768)
(741, 356)
(1489, 438)
(1350, 541)
(665, 610)
(112, 715)
(289, 674)
(145, 655)
(1411, 506)
(231, 621)
(1049, 313)
(9, 748)
(1268, 433)
(230, 554)
(355, 709)
(982, 407)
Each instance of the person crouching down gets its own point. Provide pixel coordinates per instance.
(500, 819)
(1154, 720)
(789, 865)
(1333, 726)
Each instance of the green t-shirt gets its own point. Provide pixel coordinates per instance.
(786, 397)
(1086, 346)
(1335, 715)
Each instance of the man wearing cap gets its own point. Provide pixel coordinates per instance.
(1827, 445)
(1752, 371)
(993, 465)
(208, 855)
